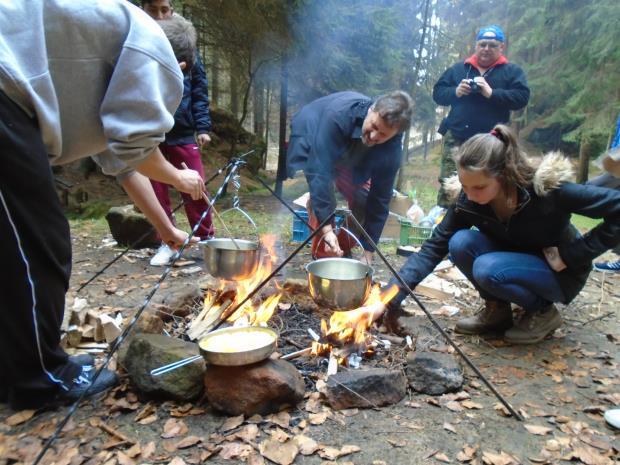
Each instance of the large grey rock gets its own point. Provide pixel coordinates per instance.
(129, 226)
(264, 387)
(433, 372)
(148, 351)
(179, 300)
(377, 386)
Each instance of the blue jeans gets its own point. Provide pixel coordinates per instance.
(520, 278)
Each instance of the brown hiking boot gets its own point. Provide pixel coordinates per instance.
(533, 327)
(495, 316)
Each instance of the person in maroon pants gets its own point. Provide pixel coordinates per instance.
(192, 122)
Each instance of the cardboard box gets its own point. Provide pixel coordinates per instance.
(400, 203)
(391, 230)
(398, 207)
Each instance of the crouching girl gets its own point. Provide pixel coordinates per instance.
(509, 231)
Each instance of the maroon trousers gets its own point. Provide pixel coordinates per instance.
(190, 155)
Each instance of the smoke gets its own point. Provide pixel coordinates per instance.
(362, 45)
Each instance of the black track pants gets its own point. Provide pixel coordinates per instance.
(35, 264)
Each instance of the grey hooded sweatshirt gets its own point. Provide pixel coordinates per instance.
(99, 76)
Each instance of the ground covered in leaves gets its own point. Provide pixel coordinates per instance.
(560, 387)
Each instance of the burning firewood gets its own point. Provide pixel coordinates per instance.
(214, 307)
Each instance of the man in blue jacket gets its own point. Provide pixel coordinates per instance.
(481, 92)
(348, 140)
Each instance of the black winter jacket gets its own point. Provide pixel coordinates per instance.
(542, 219)
(472, 114)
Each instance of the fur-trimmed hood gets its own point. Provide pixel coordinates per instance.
(553, 170)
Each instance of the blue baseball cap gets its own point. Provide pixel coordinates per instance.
(491, 33)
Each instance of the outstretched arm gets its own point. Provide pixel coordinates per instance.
(139, 188)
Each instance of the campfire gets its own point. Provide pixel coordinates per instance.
(219, 303)
(347, 332)
(343, 340)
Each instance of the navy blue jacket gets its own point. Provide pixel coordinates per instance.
(538, 222)
(327, 132)
(192, 116)
(472, 114)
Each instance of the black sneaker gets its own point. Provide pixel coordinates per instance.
(84, 383)
(83, 360)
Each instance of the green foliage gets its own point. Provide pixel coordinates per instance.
(365, 46)
(569, 50)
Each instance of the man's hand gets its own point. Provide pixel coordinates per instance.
(190, 182)
(463, 89)
(203, 140)
(485, 88)
(331, 241)
(552, 255)
(175, 237)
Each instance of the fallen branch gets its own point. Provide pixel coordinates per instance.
(598, 318)
(97, 422)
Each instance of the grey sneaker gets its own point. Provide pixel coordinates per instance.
(533, 327)
(494, 316)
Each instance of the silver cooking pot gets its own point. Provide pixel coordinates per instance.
(339, 283)
(231, 260)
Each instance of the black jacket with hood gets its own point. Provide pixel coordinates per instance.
(472, 114)
(542, 219)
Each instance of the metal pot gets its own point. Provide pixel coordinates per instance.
(238, 346)
(339, 283)
(225, 260)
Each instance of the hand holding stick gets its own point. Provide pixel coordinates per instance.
(205, 197)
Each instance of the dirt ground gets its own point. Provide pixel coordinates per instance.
(560, 386)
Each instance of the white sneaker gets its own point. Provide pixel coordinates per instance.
(163, 256)
(613, 417)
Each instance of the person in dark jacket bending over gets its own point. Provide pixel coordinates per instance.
(192, 122)
(349, 140)
(481, 92)
(525, 250)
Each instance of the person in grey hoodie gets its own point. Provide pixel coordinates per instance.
(77, 78)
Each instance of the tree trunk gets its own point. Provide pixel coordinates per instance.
(281, 175)
(259, 107)
(584, 160)
(425, 138)
(215, 77)
(235, 85)
(267, 121)
(414, 82)
(400, 181)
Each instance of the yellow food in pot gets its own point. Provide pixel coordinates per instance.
(243, 341)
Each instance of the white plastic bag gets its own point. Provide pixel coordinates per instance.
(415, 212)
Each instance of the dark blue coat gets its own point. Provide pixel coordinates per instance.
(327, 132)
(538, 222)
(472, 114)
(192, 116)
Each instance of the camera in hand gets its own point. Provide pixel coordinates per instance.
(473, 85)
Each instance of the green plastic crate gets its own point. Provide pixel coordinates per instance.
(413, 235)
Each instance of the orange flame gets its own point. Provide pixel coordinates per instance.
(248, 313)
(351, 327)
